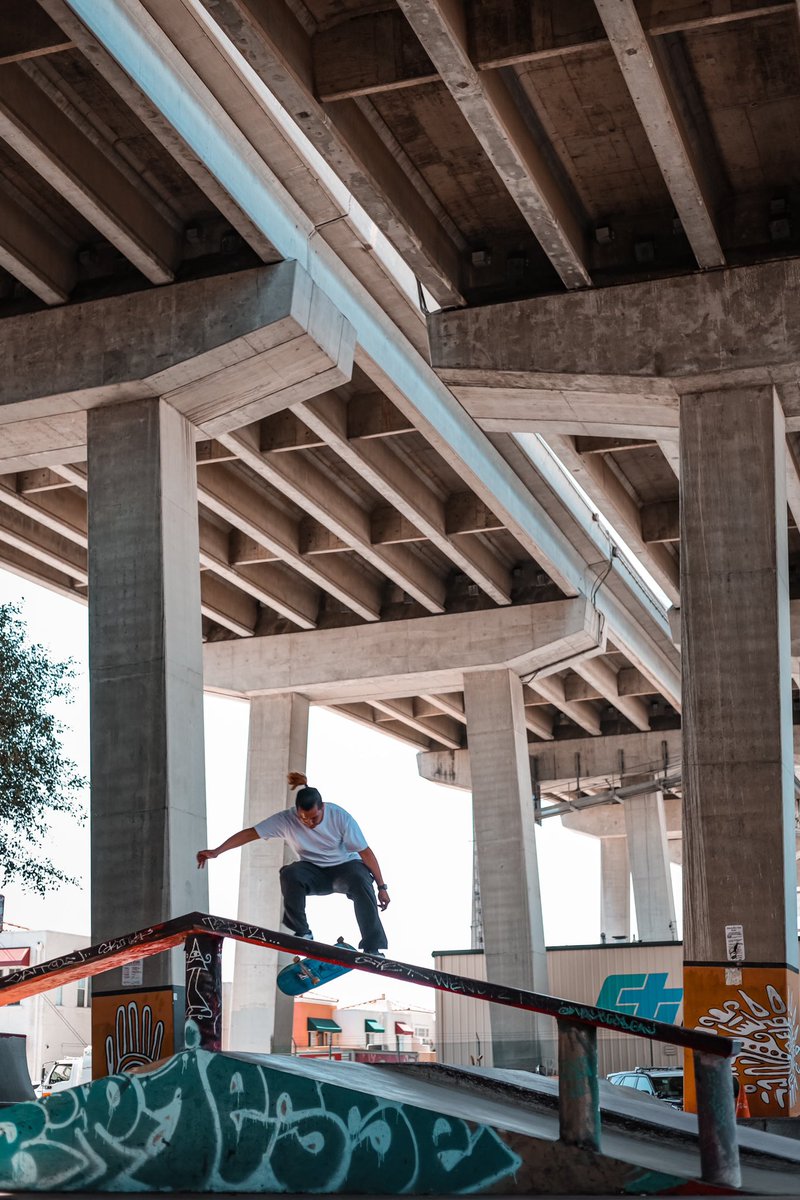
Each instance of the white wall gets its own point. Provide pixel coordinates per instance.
(386, 1013)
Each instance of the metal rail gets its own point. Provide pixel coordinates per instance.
(579, 1111)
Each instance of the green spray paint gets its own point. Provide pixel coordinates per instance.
(212, 1123)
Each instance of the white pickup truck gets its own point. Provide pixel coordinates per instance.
(64, 1073)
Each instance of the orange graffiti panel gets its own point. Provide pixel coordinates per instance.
(131, 1029)
(759, 1007)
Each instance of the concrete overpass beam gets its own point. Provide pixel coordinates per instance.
(261, 1017)
(738, 770)
(507, 866)
(598, 760)
(146, 676)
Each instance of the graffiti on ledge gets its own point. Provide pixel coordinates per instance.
(206, 1122)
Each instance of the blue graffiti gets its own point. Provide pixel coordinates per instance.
(645, 996)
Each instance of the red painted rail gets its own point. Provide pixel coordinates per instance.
(579, 1107)
(144, 942)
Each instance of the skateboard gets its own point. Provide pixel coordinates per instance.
(306, 973)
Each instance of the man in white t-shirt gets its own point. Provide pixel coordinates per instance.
(333, 856)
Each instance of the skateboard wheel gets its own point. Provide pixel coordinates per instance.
(297, 958)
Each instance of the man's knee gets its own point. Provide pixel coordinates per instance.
(291, 875)
(360, 880)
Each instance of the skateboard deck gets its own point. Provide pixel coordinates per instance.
(306, 973)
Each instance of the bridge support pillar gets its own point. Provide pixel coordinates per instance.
(648, 853)
(738, 769)
(261, 1016)
(146, 679)
(507, 865)
(615, 889)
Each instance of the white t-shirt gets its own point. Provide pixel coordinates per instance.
(337, 838)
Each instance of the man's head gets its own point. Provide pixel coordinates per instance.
(309, 807)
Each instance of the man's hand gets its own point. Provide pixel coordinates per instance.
(203, 857)
(383, 899)
(297, 779)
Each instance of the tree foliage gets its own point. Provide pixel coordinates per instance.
(36, 777)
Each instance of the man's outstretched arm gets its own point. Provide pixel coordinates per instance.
(236, 839)
(369, 860)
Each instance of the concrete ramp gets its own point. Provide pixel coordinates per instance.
(15, 1080)
(203, 1122)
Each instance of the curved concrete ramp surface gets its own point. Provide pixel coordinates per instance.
(205, 1122)
(15, 1080)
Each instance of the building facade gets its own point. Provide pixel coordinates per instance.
(56, 1024)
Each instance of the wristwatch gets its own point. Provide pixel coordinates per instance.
(381, 887)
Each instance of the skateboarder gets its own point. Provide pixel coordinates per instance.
(333, 857)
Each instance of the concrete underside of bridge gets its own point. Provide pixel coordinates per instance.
(225, 424)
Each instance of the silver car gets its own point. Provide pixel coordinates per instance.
(664, 1083)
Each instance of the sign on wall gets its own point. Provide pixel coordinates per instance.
(131, 1029)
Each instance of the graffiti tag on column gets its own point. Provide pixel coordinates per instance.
(197, 963)
(767, 1027)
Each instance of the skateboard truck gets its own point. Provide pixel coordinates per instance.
(304, 972)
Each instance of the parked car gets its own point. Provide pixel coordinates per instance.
(63, 1073)
(664, 1083)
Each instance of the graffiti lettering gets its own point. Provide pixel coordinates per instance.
(210, 1123)
(610, 1020)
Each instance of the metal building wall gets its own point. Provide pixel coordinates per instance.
(641, 979)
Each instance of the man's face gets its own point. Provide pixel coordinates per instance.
(311, 817)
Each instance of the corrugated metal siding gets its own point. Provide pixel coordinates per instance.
(463, 1035)
(577, 973)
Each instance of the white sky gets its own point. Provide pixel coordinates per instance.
(421, 832)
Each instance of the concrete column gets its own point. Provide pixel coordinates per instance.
(648, 853)
(738, 771)
(146, 677)
(261, 1017)
(509, 876)
(615, 889)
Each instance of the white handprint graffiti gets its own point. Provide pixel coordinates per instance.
(137, 1038)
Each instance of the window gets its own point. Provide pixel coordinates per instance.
(58, 997)
(422, 1031)
(83, 998)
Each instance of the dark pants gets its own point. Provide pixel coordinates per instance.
(352, 879)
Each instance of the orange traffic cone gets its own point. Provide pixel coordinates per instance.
(742, 1107)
